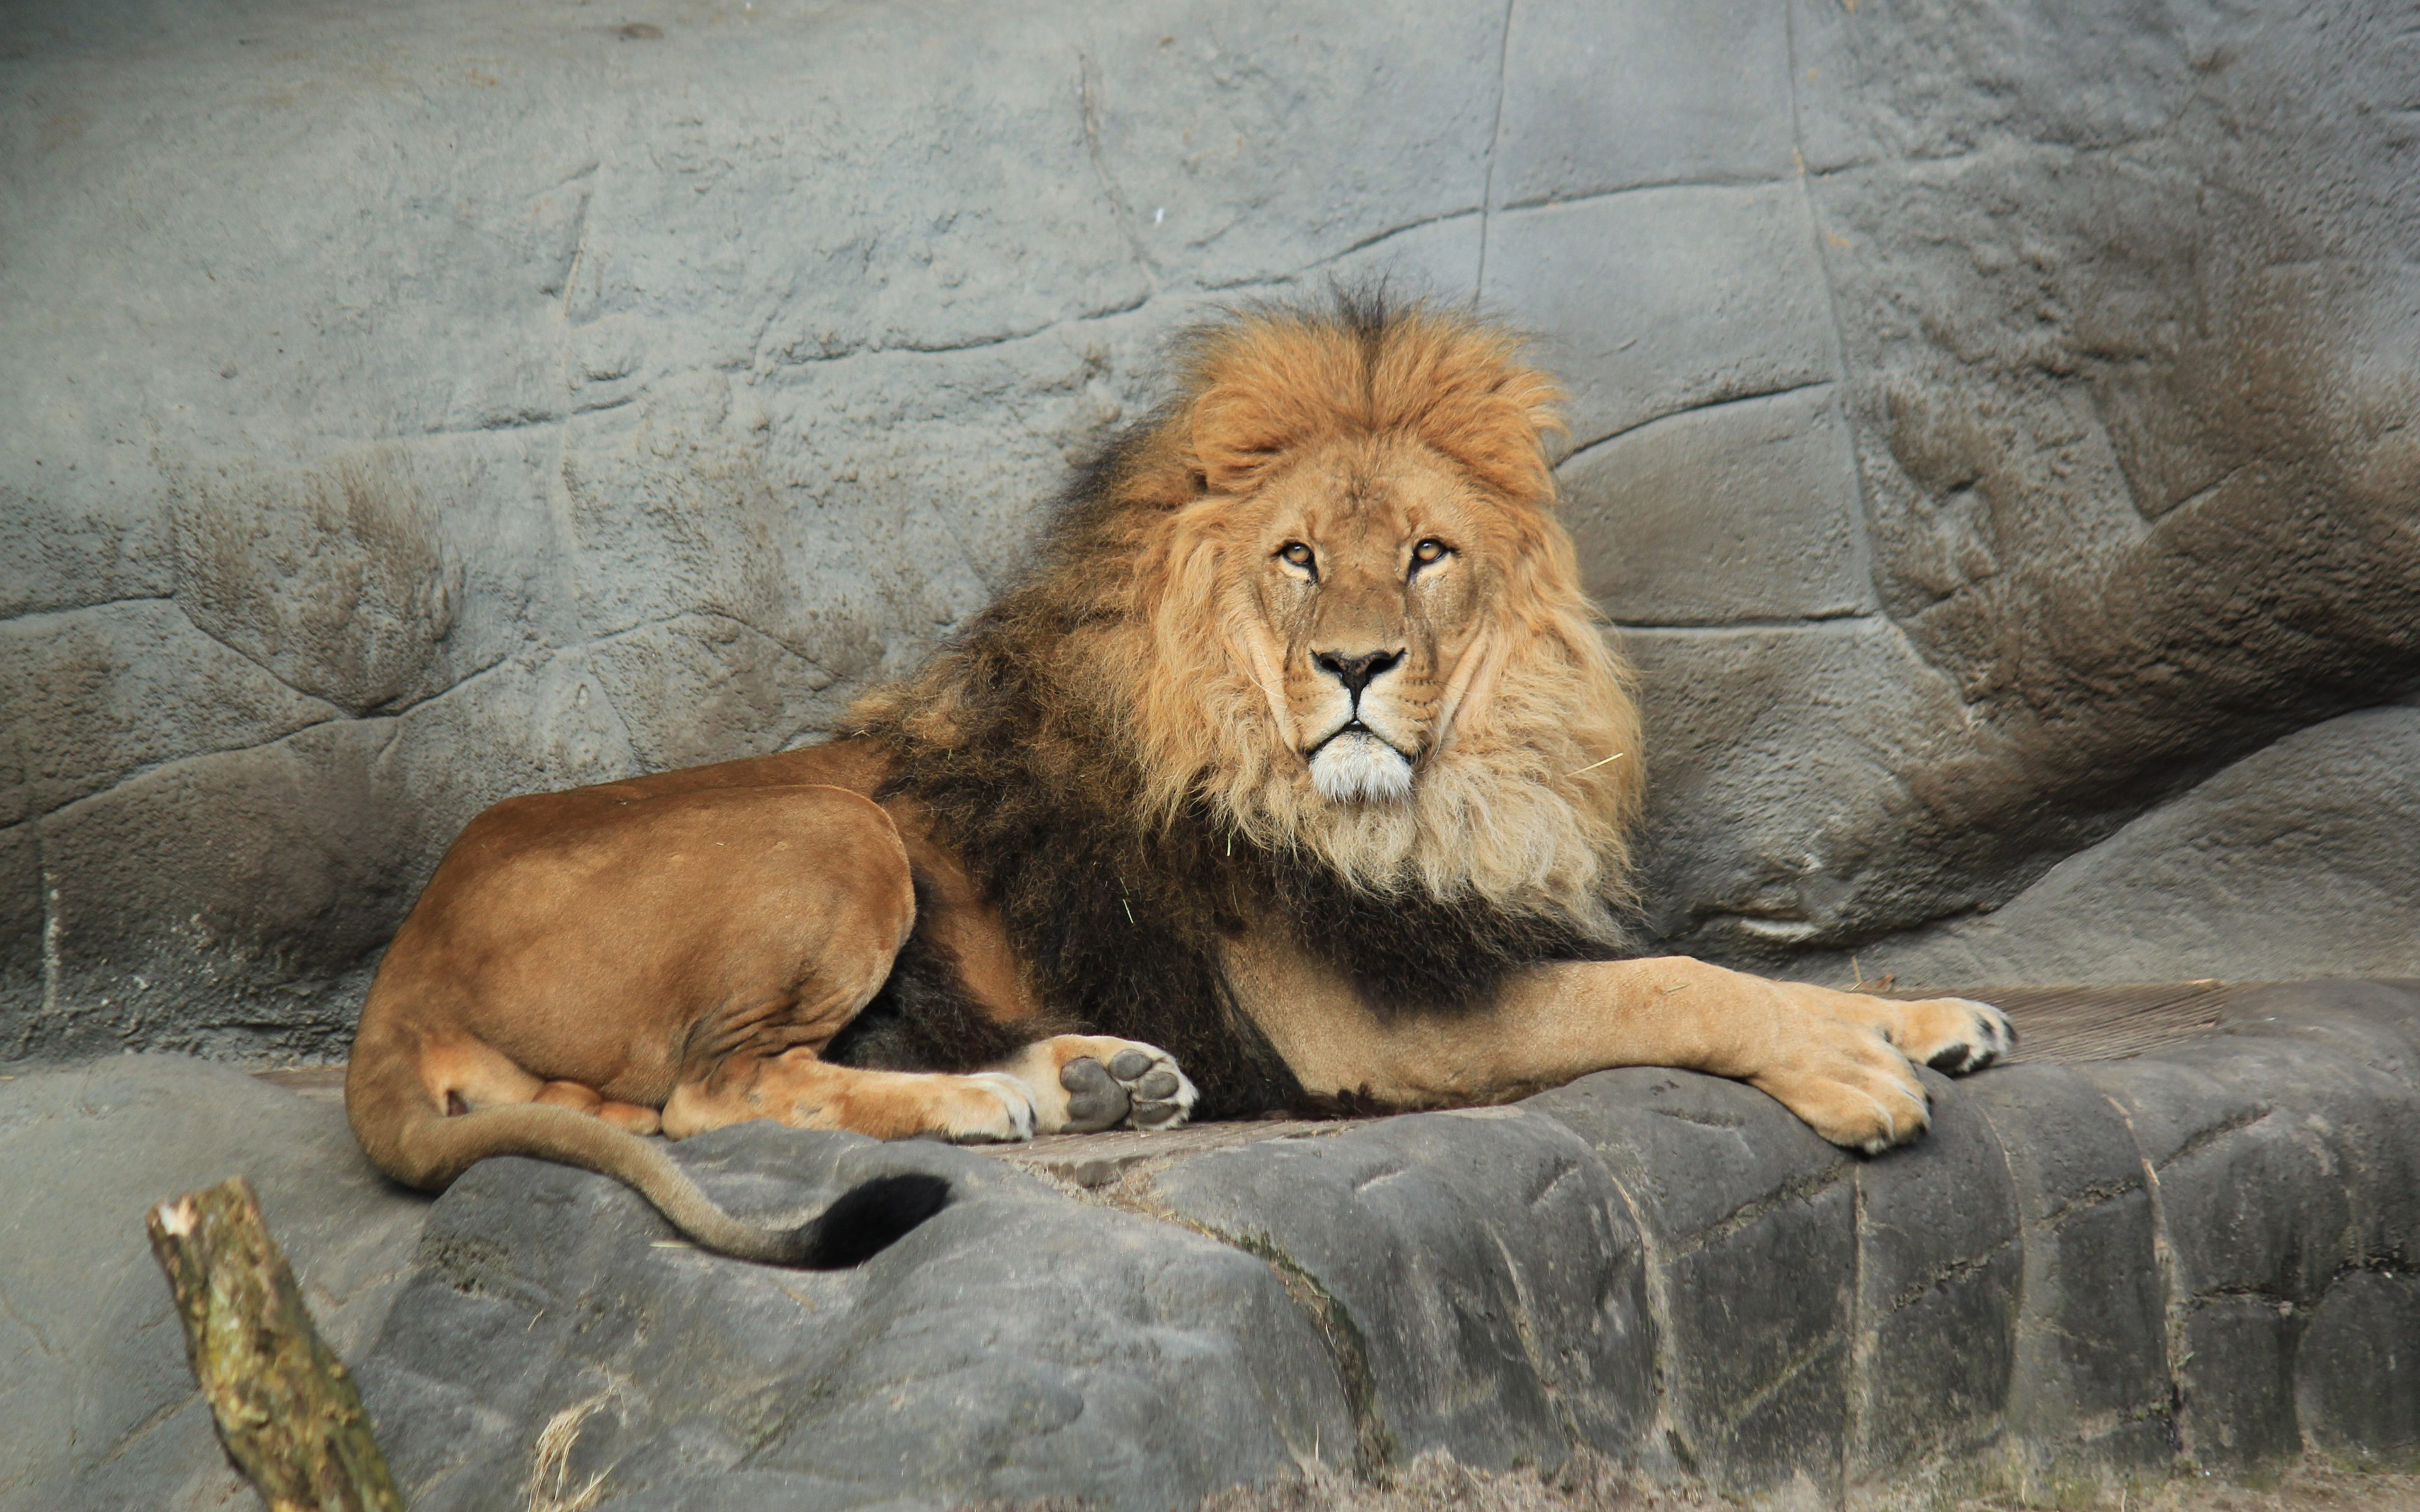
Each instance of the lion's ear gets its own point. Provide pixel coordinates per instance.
(1237, 435)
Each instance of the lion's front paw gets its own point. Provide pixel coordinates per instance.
(1954, 1034)
(1084, 1084)
(1853, 1087)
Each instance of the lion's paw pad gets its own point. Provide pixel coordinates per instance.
(1138, 1087)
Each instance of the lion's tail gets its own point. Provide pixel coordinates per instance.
(417, 1143)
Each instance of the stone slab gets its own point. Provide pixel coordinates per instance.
(1664, 299)
(1748, 510)
(1504, 1318)
(2089, 1388)
(1784, 739)
(2295, 860)
(1599, 99)
(1016, 1346)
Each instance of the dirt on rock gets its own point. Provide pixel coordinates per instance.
(1590, 1483)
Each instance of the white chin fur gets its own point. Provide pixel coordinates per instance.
(1355, 767)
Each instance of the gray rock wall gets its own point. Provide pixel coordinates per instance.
(1986, 425)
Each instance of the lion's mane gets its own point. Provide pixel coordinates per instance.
(1096, 748)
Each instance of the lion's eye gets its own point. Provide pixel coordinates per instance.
(1429, 550)
(1300, 555)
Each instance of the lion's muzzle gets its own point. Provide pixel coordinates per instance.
(1355, 761)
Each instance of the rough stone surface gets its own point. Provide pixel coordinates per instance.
(1939, 1258)
(1743, 511)
(1995, 421)
(1505, 1320)
(2117, 305)
(1017, 1346)
(2089, 1387)
(2087, 1277)
(2355, 1364)
(1755, 1375)
(97, 1407)
(2321, 828)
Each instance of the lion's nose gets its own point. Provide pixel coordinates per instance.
(1356, 673)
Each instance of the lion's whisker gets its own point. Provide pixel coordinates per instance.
(1594, 766)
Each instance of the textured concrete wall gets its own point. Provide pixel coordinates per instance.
(1988, 423)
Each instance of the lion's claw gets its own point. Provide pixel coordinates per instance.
(1852, 1075)
(1955, 1034)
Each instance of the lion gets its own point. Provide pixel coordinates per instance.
(1297, 772)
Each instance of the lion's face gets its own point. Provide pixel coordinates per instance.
(1322, 601)
(1372, 564)
(1357, 626)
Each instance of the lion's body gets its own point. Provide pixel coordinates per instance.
(1298, 755)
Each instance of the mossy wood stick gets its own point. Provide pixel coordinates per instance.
(286, 1409)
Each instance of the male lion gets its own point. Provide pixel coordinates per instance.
(1298, 761)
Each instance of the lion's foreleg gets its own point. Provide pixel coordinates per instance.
(1842, 1061)
(1839, 1061)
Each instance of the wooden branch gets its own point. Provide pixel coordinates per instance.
(286, 1409)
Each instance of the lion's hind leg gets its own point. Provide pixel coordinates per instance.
(463, 1075)
(581, 1098)
(1084, 1083)
(796, 1088)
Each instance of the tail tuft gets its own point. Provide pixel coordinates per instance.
(865, 1221)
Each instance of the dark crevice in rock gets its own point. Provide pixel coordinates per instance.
(24, 615)
(2203, 1138)
(1735, 1412)
(1581, 449)
(1349, 1351)
(1088, 104)
(1661, 1426)
(1495, 143)
(1957, 1269)
(2163, 1257)
(1747, 623)
(1857, 1397)
(1377, 238)
(2085, 1200)
(1547, 202)
(1798, 1190)
(1525, 1329)
(335, 710)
